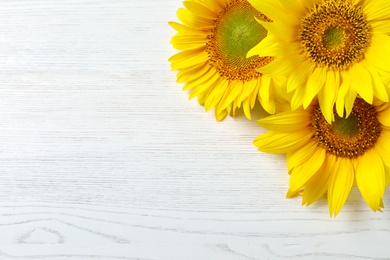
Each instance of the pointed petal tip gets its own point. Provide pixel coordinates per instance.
(290, 194)
(334, 212)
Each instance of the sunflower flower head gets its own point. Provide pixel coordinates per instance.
(213, 39)
(331, 50)
(330, 159)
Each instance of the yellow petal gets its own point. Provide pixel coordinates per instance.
(278, 67)
(302, 173)
(370, 178)
(328, 94)
(381, 26)
(377, 10)
(297, 99)
(345, 81)
(269, 46)
(384, 117)
(273, 142)
(193, 73)
(361, 81)
(206, 79)
(316, 187)
(286, 121)
(188, 58)
(264, 91)
(233, 90)
(205, 86)
(382, 147)
(184, 29)
(200, 9)
(215, 6)
(378, 54)
(187, 42)
(340, 183)
(194, 20)
(294, 7)
(216, 93)
(264, 95)
(247, 108)
(270, 8)
(349, 101)
(248, 87)
(283, 31)
(315, 83)
(301, 155)
(221, 115)
(299, 77)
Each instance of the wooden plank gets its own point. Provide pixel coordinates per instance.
(103, 157)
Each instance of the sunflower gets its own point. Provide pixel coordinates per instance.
(333, 50)
(332, 158)
(213, 39)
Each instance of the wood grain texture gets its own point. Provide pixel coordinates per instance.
(103, 157)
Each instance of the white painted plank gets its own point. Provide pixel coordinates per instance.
(103, 157)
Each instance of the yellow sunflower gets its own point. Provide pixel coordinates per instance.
(332, 158)
(213, 39)
(335, 50)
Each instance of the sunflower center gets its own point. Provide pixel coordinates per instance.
(335, 34)
(347, 127)
(351, 136)
(333, 37)
(236, 31)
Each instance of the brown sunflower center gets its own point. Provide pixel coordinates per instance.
(351, 136)
(335, 34)
(236, 31)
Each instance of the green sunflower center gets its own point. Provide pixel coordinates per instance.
(236, 32)
(335, 34)
(347, 127)
(351, 136)
(333, 37)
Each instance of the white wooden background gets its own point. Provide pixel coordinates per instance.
(103, 157)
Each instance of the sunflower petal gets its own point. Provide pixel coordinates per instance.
(192, 73)
(343, 90)
(269, 46)
(193, 20)
(274, 142)
(302, 173)
(314, 85)
(327, 96)
(270, 8)
(286, 121)
(316, 187)
(378, 54)
(382, 147)
(384, 118)
(299, 78)
(234, 89)
(297, 99)
(185, 30)
(216, 93)
(361, 81)
(377, 10)
(301, 155)
(200, 9)
(377, 83)
(265, 100)
(340, 184)
(371, 179)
